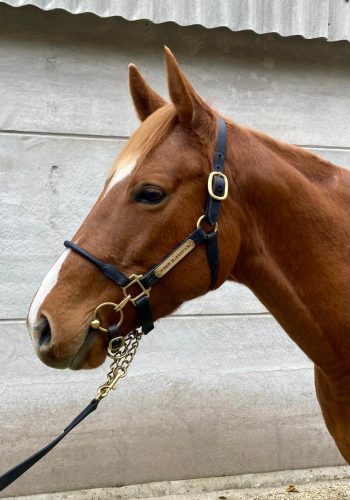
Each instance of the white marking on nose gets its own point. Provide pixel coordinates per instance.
(123, 171)
(45, 288)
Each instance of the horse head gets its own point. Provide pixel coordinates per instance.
(151, 200)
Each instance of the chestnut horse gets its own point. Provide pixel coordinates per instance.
(284, 232)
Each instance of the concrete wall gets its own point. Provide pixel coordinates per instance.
(217, 388)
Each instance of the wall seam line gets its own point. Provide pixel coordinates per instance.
(125, 137)
(64, 135)
(172, 316)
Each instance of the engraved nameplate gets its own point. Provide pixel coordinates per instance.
(174, 258)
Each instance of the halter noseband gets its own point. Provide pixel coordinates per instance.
(217, 192)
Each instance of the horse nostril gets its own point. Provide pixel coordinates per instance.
(44, 331)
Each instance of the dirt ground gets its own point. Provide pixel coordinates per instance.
(329, 483)
(321, 490)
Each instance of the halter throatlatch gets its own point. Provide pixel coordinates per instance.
(123, 349)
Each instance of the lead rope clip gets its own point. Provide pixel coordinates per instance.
(121, 360)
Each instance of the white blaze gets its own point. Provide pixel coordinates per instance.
(123, 171)
(51, 278)
(46, 286)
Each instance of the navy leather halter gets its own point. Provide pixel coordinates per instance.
(217, 192)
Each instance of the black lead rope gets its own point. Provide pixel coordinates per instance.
(217, 192)
(10, 476)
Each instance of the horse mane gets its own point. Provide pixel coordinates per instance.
(150, 134)
(307, 163)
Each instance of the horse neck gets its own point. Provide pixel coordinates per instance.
(294, 242)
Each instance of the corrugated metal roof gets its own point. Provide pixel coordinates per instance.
(328, 19)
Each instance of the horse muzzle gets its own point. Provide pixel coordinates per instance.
(58, 355)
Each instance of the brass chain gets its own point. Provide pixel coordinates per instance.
(121, 359)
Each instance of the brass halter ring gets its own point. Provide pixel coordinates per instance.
(117, 344)
(199, 223)
(96, 323)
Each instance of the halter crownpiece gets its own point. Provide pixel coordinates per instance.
(123, 349)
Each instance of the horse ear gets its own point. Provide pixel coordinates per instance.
(145, 99)
(190, 107)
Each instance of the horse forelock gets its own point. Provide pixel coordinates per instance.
(147, 137)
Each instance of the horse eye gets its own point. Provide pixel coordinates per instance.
(150, 194)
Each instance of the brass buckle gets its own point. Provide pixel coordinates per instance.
(135, 278)
(210, 186)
